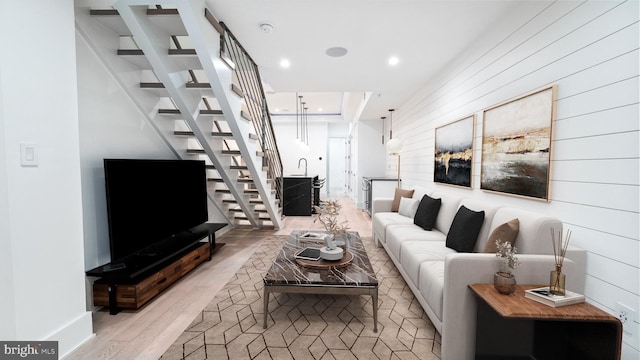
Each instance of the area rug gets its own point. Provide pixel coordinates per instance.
(310, 327)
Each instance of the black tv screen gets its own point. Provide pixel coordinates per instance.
(150, 201)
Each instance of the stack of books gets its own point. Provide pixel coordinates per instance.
(543, 295)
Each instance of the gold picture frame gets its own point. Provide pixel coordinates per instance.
(517, 145)
(453, 153)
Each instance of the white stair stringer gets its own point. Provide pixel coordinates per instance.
(92, 34)
(206, 42)
(152, 40)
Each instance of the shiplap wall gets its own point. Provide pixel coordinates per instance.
(590, 51)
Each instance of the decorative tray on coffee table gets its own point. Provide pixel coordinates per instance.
(321, 264)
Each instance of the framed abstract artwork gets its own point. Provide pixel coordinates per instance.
(517, 145)
(453, 155)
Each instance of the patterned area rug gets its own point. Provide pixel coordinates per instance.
(310, 327)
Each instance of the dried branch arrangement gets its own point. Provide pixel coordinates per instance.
(328, 216)
(560, 246)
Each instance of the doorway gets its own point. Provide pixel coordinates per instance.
(337, 167)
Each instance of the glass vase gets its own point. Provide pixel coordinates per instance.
(504, 282)
(557, 281)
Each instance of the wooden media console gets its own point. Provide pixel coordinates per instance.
(123, 287)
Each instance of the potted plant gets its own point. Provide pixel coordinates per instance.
(503, 280)
(328, 215)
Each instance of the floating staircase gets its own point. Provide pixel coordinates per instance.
(174, 62)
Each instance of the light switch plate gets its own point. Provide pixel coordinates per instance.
(28, 154)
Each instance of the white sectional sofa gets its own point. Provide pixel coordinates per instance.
(439, 276)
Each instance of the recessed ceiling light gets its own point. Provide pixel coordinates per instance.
(336, 51)
(393, 61)
(319, 109)
(285, 63)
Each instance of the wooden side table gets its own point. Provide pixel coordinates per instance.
(514, 327)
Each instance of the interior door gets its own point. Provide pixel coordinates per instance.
(337, 166)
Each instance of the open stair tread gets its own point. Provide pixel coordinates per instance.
(187, 59)
(202, 112)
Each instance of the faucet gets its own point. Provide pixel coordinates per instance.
(305, 165)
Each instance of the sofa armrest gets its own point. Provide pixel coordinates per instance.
(459, 303)
(381, 205)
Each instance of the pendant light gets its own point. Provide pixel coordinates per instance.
(394, 146)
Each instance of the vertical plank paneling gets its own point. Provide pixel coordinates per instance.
(591, 51)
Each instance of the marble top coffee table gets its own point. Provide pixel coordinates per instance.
(287, 276)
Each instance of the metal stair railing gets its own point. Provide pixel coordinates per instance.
(248, 77)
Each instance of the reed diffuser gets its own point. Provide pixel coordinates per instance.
(557, 278)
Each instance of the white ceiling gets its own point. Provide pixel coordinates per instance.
(425, 35)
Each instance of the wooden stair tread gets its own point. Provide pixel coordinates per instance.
(202, 112)
(162, 12)
(104, 12)
(233, 201)
(182, 51)
(151, 85)
(198, 85)
(139, 52)
(246, 191)
(130, 52)
(246, 181)
(236, 89)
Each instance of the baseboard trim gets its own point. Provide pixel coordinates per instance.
(74, 334)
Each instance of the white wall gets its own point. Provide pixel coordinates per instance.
(7, 301)
(590, 50)
(41, 207)
(110, 127)
(291, 153)
(370, 155)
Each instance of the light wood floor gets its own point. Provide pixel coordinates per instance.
(148, 332)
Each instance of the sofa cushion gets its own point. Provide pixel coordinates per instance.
(505, 232)
(448, 209)
(400, 193)
(414, 253)
(419, 192)
(408, 207)
(464, 229)
(381, 220)
(427, 212)
(397, 234)
(534, 236)
(432, 285)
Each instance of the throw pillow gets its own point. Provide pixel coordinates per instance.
(408, 207)
(400, 193)
(505, 232)
(464, 229)
(427, 212)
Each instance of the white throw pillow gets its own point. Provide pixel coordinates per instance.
(408, 207)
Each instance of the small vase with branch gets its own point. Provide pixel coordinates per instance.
(503, 280)
(328, 215)
(557, 278)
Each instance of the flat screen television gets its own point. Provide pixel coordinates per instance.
(150, 202)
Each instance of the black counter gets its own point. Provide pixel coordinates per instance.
(298, 195)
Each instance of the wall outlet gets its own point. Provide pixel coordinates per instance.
(630, 333)
(627, 316)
